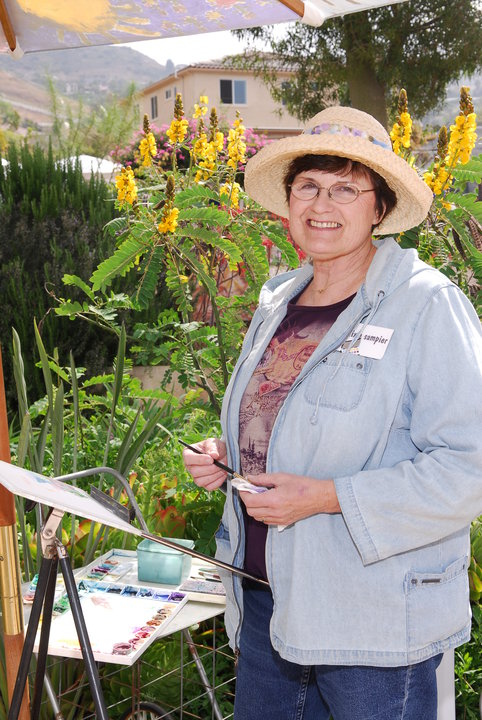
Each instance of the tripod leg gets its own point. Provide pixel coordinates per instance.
(80, 626)
(24, 665)
(44, 641)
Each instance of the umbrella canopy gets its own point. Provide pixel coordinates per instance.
(33, 25)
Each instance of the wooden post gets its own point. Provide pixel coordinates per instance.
(10, 577)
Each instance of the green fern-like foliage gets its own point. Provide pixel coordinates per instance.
(204, 241)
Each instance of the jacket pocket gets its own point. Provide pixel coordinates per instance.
(437, 604)
(341, 384)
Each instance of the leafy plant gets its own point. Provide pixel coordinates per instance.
(194, 231)
(468, 671)
(82, 423)
(78, 128)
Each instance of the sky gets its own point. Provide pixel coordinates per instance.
(196, 48)
(190, 48)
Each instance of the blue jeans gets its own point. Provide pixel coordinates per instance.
(270, 688)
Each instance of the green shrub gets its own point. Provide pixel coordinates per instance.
(51, 222)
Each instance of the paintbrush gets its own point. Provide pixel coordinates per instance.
(216, 462)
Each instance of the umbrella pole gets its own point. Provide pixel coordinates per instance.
(10, 578)
(297, 6)
(7, 27)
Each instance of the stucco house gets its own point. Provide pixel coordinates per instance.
(228, 89)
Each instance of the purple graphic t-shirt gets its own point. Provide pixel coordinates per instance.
(296, 338)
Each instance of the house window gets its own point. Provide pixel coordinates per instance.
(154, 107)
(168, 94)
(233, 92)
(285, 88)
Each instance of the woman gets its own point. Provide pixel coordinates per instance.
(356, 404)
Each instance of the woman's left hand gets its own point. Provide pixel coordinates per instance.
(289, 498)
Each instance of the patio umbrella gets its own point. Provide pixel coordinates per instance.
(33, 25)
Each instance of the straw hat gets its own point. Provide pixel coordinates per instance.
(348, 133)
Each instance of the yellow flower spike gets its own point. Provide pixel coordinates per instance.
(231, 192)
(178, 107)
(466, 104)
(443, 142)
(216, 137)
(463, 135)
(177, 130)
(148, 149)
(200, 110)
(236, 144)
(170, 189)
(170, 214)
(401, 132)
(219, 141)
(126, 186)
(439, 178)
(168, 223)
(145, 124)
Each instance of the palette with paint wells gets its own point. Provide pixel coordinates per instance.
(122, 618)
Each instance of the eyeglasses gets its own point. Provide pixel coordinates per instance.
(343, 193)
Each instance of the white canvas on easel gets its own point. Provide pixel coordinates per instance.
(60, 495)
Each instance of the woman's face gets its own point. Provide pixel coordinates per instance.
(325, 229)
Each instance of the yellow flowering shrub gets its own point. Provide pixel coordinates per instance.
(449, 238)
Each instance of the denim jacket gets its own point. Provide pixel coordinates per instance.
(384, 582)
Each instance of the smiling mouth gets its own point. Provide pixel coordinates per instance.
(319, 224)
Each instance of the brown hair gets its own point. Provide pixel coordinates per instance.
(385, 197)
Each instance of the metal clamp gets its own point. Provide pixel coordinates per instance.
(48, 533)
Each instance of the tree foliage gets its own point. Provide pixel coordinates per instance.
(364, 58)
(94, 131)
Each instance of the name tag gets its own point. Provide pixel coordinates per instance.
(372, 343)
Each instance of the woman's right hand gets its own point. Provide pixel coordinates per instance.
(204, 473)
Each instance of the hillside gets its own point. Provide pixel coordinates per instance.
(446, 113)
(90, 73)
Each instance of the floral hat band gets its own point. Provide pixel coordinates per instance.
(345, 130)
(349, 133)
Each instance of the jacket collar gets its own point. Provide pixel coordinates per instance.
(390, 267)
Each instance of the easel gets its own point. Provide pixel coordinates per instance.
(99, 508)
(53, 554)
